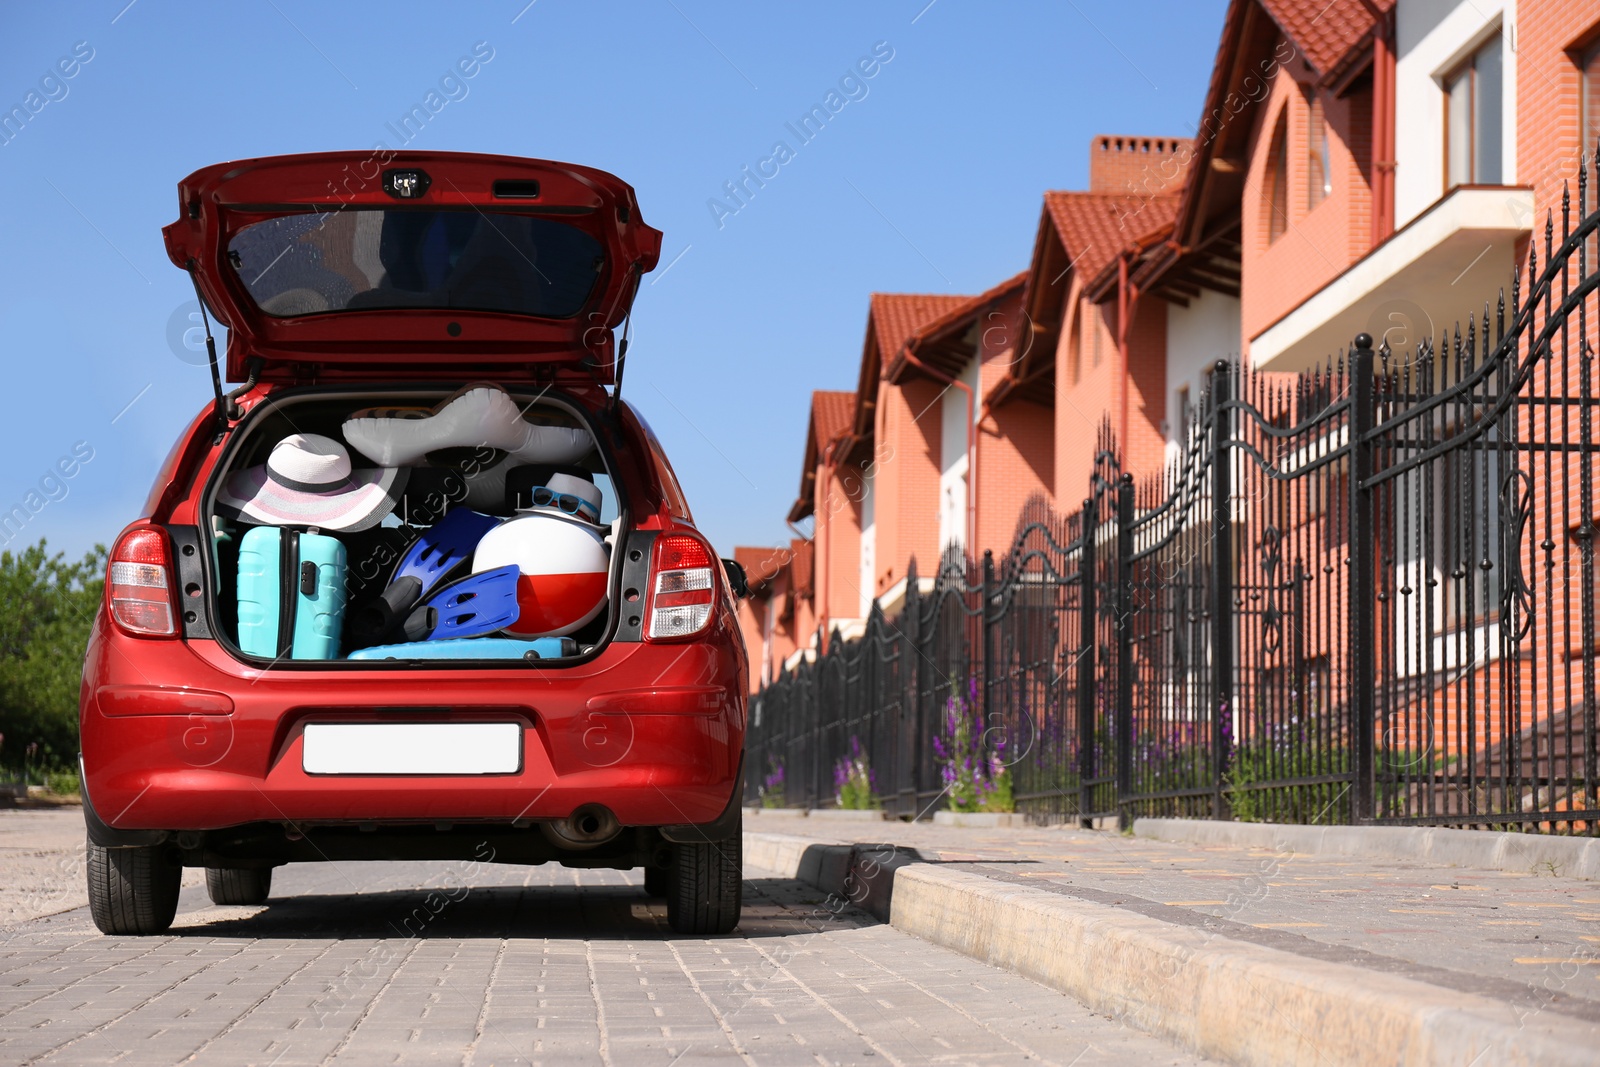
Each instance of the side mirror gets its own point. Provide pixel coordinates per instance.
(737, 579)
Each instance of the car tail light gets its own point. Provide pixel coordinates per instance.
(139, 584)
(683, 588)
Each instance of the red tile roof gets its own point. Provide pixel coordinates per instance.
(831, 414)
(761, 565)
(967, 308)
(954, 321)
(1325, 31)
(896, 316)
(1094, 227)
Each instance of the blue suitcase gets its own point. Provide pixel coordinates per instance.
(474, 648)
(291, 594)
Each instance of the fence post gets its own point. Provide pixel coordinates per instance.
(988, 637)
(910, 692)
(1221, 578)
(1363, 579)
(1123, 711)
(1086, 654)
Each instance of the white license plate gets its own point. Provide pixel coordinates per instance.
(412, 748)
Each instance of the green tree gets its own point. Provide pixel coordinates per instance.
(47, 609)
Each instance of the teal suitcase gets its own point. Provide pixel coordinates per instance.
(291, 594)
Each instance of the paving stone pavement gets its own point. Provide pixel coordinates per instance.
(401, 963)
(1530, 938)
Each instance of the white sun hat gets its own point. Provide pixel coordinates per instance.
(308, 481)
(566, 496)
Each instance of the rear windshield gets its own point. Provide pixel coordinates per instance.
(416, 258)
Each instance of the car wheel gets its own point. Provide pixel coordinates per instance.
(132, 891)
(657, 881)
(232, 885)
(706, 885)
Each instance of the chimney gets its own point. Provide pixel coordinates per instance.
(1138, 166)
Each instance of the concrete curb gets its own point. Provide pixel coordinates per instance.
(848, 814)
(861, 874)
(1568, 857)
(1244, 1003)
(980, 820)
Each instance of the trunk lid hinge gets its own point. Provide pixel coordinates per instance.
(223, 413)
(227, 406)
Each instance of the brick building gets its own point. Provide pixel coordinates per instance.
(1359, 165)
(831, 496)
(767, 616)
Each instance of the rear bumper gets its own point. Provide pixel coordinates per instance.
(179, 736)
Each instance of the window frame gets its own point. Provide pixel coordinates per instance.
(1319, 154)
(1587, 60)
(1467, 69)
(1278, 222)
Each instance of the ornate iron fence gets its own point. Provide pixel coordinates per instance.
(1363, 593)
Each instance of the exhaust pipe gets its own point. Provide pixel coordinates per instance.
(590, 826)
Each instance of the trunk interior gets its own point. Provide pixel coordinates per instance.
(480, 478)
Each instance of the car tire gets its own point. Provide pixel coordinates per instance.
(657, 881)
(706, 886)
(234, 885)
(132, 891)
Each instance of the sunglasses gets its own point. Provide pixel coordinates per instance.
(545, 497)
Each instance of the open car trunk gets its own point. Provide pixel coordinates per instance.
(326, 588)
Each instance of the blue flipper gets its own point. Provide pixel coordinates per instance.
(438, 553)
(443, 547)
(470, 607)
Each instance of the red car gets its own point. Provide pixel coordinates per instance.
(381, 308)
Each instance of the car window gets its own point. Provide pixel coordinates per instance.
(473, 260)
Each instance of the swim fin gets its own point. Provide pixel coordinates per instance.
(443, 547)
(437, 555)
(470, 607)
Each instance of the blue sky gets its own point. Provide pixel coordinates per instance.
(928, 180)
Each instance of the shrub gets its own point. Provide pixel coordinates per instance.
(771, 790)
(853, 781)
(50, 607)
(1285, 751)
(63, 783)
(975, 776)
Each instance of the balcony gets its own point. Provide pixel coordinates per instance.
(1441, 268)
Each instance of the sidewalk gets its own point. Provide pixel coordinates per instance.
(1248, 954)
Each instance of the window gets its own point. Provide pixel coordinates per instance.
(1472, 127)
(1319, 174)
(1075, 349)
(1589, 99)
(1278, 179)
(1096, 325)
(414, 257)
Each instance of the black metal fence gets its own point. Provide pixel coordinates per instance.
(1363, 593)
